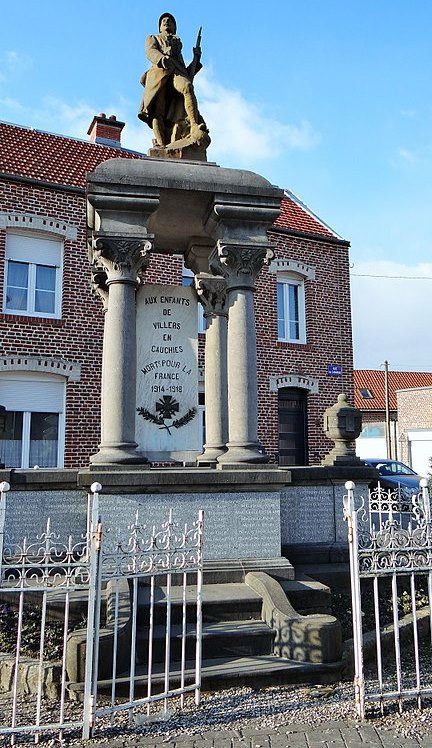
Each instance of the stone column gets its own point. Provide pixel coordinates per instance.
(240, 264)
(121, 260)
(212, 295)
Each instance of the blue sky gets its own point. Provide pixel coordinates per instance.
(328, 98)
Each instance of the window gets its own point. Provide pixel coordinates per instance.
(188, 280)
(366, 394)
(373, 431)
(33, 275)
(34, 428)
(291, 310)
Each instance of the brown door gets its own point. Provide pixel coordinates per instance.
(292, 426)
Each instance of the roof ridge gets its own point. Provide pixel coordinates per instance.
(85, 141)
(295, 198)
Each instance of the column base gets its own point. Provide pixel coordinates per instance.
(119, 453)
(243, 454)
(210, 456)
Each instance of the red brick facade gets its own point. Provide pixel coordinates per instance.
(31, 186)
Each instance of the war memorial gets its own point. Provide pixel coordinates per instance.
(174, 201)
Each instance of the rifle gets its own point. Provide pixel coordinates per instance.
(193, 65)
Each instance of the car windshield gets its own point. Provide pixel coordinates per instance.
(393, 468)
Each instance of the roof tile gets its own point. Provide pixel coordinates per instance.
(64, 160)
(52, 158)
(373, 380)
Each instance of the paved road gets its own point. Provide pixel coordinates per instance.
(329, 735)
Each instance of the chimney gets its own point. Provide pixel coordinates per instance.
(106, 130)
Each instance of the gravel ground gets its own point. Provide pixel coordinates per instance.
(236, 709)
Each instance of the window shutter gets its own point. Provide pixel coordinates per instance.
(33, 249)
(32, 395)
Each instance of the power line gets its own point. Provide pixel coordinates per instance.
(395, 277)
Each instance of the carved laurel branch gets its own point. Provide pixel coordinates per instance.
(189, 416)
(159, 421)
(152, 417)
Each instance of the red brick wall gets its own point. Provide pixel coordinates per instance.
(328, 337)
(414, 412)
(77, 336)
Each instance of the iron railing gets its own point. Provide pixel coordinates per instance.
(390, 545)
(130, 586)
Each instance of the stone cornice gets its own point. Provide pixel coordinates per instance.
(29, 221)
(69, 369)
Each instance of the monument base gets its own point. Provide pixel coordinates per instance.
(188, 149)
(344, 460)
(118, 454)
(210, 456)
(243, 455)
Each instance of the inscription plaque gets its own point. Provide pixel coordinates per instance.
(167, 423)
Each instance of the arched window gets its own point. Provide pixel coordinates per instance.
(291, 301)
(291, 315)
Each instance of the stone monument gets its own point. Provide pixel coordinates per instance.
(173, 201)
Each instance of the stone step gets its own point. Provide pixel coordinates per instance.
(219, 673)
(220, 602)
(306, 594)
(222, 639)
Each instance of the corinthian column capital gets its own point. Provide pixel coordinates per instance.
(211, 290)
(99, 285)
(121, 259)
(240, 262)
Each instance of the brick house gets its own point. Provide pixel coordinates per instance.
(52, 325)
(410, 415)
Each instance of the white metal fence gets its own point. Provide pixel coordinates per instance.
(390, 548)
(134, 594)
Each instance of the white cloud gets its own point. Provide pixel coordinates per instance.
(13, 63)
(63, 118)
(407, 155)
(391, 315)
(12, 104)
(240, 129)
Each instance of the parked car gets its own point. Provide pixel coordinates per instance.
(393, 474)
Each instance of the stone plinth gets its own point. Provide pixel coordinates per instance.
(241, 508)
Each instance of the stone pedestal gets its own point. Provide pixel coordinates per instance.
(342, 425)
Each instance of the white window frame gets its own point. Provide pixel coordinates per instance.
(286, 280)
(44, 405)
(34, 250)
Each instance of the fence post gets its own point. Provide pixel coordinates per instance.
(4, 488)
(198, 652)
(91, 654)
(350, 514)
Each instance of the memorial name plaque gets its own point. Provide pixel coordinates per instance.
(167, 423)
